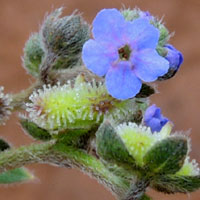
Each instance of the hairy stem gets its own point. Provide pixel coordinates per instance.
(63, 156)
(137, 190)
(19, 99)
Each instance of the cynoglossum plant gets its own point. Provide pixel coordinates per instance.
(98, 120)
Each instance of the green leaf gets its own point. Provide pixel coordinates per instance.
(15, 176)
(3, 145)
(36, 132)
(110, 147)
(171, 184)
(167, 156)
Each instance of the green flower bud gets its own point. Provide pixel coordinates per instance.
(164, 33)
(129, 14)
(78, 105)
(138, 140)
(63, 38)
(33, 55)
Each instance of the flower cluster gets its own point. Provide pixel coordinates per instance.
(159, 155)
(125, 52)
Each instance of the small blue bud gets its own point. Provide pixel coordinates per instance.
(145, 14)
(154, 119)
(175, 59)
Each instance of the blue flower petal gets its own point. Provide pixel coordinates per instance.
(121, 81)
(98, 58)
(142, 34)
(108, 26)
(148, 38)
(174, 57)
(149, 65)
(151, 112)
(155, 125)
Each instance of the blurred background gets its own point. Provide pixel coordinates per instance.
(179, 97)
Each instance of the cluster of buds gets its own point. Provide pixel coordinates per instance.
(159, 157)
(57, 46)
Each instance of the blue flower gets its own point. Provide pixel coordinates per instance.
(175, 59)
(154, 119)
(125, 52)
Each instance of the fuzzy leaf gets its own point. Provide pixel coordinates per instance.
(75, 137)
(167, 156)
(15, 176)
(171, 184)
(110, 147)
(36, 132)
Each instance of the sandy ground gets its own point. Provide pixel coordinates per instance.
(178, 97)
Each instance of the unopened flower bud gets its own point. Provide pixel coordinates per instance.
(138, 140)
(33, 54)
(64, 37)
(175, 59)
(135, 13)
(154, 119)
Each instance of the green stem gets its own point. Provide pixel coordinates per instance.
(63, 156)
(137, 190)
